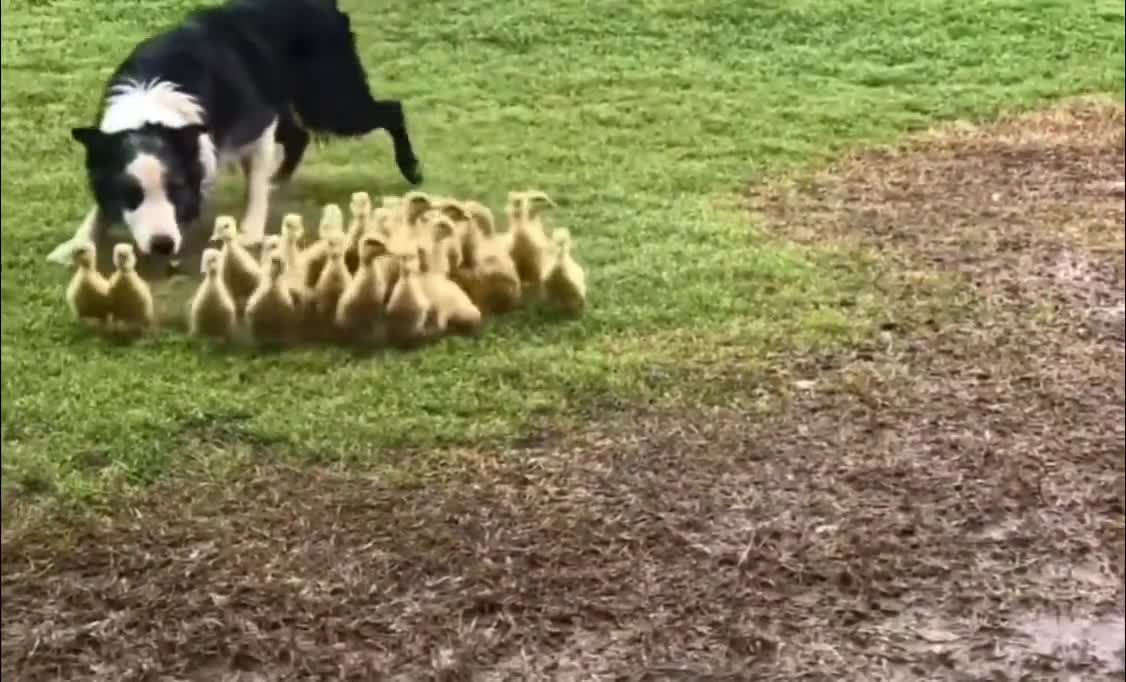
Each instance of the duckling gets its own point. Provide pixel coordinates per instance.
(408, 309)
(445, 253)
(292, 230)
(488, 273)
(413, 204)
(452, 208)
(237, 267)
(86, 295)
(212, 312)
(451, 307)
(270, 310)
(456, 211)
(384, 221)
(333, 282)
(528, 244)
(297, 286)
(564, 282)
(480, 229)
(360, 209)
(466, 252)
(536, 201)
(314, 256)
(128, 296)
(389, 226)
(362, 303)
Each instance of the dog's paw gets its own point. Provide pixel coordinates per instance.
(62, 254)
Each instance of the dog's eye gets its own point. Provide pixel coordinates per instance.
(131, 196)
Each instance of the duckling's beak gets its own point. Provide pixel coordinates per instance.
(542, 199)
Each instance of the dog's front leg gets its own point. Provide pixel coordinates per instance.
(258, 165)
(63, 253)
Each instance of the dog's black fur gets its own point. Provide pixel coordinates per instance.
(244, 62)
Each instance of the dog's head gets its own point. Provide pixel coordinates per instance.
(149, 178)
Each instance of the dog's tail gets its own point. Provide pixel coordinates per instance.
(331, 93)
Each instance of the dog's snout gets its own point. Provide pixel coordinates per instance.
(162, 245)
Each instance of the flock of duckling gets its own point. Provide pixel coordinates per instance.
(415, 268)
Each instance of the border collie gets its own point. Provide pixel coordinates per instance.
(229, 83)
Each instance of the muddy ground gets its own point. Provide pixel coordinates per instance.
(945, 504)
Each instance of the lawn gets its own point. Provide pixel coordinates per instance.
(644, 120)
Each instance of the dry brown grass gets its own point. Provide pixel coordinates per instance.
(912, 513)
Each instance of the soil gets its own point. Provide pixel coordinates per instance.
(947, 504)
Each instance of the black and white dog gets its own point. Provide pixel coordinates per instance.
(231, 82)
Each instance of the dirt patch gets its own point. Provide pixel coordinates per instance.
(948, 504)
(1029, 210)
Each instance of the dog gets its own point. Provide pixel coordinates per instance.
(231, 82)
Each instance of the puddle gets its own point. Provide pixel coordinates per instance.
(1102, 640)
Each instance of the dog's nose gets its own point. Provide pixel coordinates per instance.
(162, 245)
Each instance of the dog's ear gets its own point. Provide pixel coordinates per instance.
(88, 137)
(190, 133)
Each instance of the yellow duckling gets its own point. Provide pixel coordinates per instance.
(564, 282)
(480, 230)
(453, 209)
(388, 226)
(87, 295)
(528, 243)
(444, 254)
(292, 230)
(488, 273)
(458, 214)
(270, 310)
(128, 296)
(332, 283)
(212, 312)
(408, 309)
(452, 309)
(313, 258)
(362, 304)
(385, 222)
(360, 209)
(237, 267)
(413, 204)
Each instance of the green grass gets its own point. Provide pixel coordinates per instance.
(643, 118)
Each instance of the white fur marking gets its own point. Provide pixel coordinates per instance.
(156, 216)
(259, 165)
(209, 159)
(132, 103)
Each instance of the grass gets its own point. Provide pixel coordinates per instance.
(643, 119)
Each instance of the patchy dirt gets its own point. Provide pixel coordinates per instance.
(947, 504)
